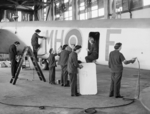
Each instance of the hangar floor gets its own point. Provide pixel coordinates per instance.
(29, 90)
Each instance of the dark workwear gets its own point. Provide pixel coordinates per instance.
(92, 53)
(115, 84)
(73, 63)
(63, 60)
(115, 61)
(115, 64)
(73, 70)
(34, 43)
(73, 82)
(52, 65)
(34, 40)
(12, 56)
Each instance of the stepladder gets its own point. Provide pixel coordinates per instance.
(28, 51)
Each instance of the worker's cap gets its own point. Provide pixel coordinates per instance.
(77, 47)
(37, 30)
(50, 51)
(118, 45)
(16, 42)
(64, 46)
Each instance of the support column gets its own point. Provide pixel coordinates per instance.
(50, 16)
(75, 10)
(53, 10)
(114, 9)
(106, 9)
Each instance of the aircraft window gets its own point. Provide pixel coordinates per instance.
(96, 37)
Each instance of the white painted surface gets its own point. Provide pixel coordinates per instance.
(88, 79)
(135, 40)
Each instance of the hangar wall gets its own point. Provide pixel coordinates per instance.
(98, 9)
(142, 13)
(59, 10)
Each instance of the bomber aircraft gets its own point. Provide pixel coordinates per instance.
(134, 34)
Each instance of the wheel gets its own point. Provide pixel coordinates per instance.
(43, 64)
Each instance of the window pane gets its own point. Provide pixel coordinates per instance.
(57, 4)
(44, 17)
(94, 13)
(119, 9)
(101, 12)
(19, 15)
(44, 9)
(119, 3)
(94, 7)
(70, 8)
(57, 15)
(137, 3)
(66, 18)
(93, 0)
(65, 1)
(146, 2)
(82, 8)
(125, 5)
(70, 13)
(66, 14)
(82, 4)
(70, 18)
(82, 16)
(86, 17)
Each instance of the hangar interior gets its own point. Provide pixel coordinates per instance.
(31, 96)
(67, 10)
(58, 10)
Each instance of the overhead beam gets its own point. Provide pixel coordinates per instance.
(5, 8)
(74, 10)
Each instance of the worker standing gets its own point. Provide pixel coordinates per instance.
(34, 42)
(13, 57)
(52, 65)
(115, 64)
(72, 68)
(63, 60)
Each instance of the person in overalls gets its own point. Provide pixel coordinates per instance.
(63, 60)
(13, 57)
(52, 65)
(116, 58)
(34, 42)
(72, 68)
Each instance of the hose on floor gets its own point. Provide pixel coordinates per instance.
(91, 110)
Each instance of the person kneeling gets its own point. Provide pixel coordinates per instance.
(92, 52)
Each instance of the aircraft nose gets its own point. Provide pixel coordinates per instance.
(6, 39)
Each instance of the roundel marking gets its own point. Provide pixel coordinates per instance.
(73, 37)
(73, 40)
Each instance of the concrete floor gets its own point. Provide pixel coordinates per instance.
(30, 93)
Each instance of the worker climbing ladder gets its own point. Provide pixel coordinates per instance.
(27, 50)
